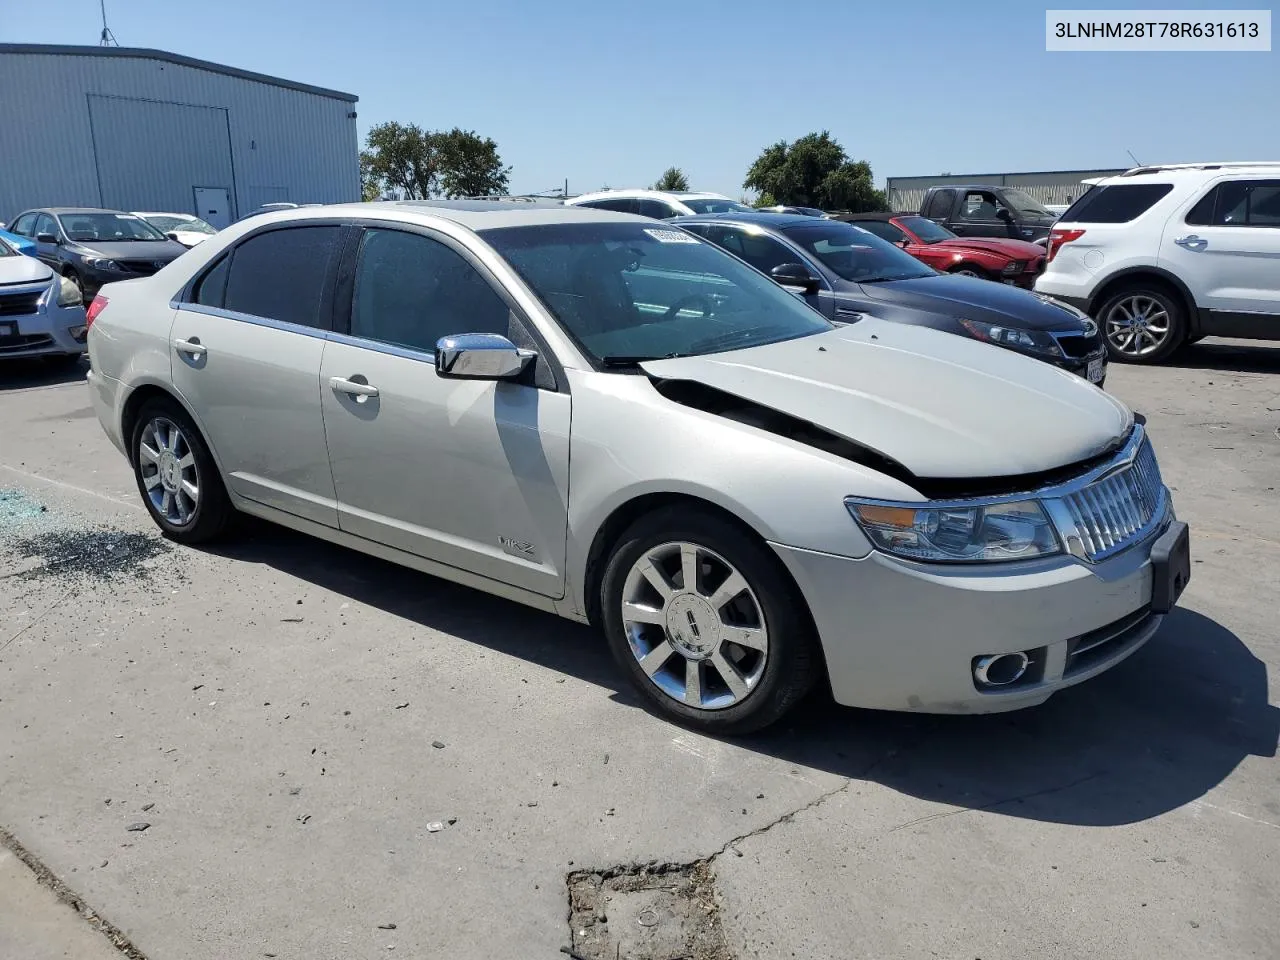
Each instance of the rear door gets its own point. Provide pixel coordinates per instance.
(1226, 248)
(469, 473)
(246, 350)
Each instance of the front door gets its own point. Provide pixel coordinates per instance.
(764, 253)
(471, 474)
(245, 354)
(213, 206)
(978, 215)
(47, 250)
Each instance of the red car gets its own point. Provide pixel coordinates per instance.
(1012, 261)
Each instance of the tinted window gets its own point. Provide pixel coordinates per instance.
(1253, 203)
(24, 225)
(761, 251)
(635, 289)
(856, 254)
(882, 229)
(411, 290)
(658, 209)
(212, 287)
(926, 230)
(616, 204)
(1202, 212)
(715, 205)
(939, 205)
(280, 275)
(1115, 203)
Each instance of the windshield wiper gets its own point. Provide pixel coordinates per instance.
(619, 360)
(728, 340)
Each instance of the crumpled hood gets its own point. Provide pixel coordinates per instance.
(1020, 249)
(976, 299)
(942, 406)
(21, 269)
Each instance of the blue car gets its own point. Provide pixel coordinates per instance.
(19, 244)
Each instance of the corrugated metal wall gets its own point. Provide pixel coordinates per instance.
(1062, 186)
(66, 120)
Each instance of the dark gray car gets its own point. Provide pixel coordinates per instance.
(845, 271)
(92, 247)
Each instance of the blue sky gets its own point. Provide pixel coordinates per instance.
(612, 93)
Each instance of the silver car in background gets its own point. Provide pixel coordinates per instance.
(604, 417)
(41, 314)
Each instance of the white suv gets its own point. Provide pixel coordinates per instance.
(659, 204)
(1162, 256)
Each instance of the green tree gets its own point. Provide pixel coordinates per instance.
(422, 164)
(672, 179)
(814, 171)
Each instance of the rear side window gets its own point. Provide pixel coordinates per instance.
(211, 289)
(939, 205)
(658, 209)
(280, 275)
(617, 204)
(1247, 203)
(1116, 203)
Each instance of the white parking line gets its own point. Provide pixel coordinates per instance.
(132, 505)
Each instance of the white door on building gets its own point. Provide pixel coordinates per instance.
(213, 205)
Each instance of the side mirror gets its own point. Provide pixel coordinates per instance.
(173, 236)
(46, 238)
(1003, 214)
(480, 356)
(904, 243)
(795, 275)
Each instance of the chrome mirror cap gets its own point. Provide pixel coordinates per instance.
(480, 356)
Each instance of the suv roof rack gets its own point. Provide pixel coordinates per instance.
(1223, 165)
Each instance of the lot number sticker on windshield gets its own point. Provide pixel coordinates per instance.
(671, 236)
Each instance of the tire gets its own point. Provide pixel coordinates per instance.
(1162, 329)
(75, 278)
(969, 270)
(771, 675)
(166, 467)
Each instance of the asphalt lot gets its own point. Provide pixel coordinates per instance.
(330, 745)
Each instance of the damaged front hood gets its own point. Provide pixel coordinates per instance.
(940, 405)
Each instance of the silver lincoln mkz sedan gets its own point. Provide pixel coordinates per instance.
(607, 418)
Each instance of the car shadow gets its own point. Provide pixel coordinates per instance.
(23, 374)
(1153, 734)
(1229, 356)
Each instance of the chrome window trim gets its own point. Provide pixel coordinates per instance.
(225, 314)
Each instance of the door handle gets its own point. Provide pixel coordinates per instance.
(1192, 242)
(192, 347)
(352, 387)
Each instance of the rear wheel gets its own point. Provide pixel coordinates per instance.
(176, 474)
(1142, 323)
(706, 622)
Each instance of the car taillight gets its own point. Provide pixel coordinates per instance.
(1057, 238)
(95, 308)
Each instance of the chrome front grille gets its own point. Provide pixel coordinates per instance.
(1114, 511)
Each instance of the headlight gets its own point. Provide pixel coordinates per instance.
(1014, 266)
(1035, 341)
(1016, 530)
(101, 263)
(68, 293)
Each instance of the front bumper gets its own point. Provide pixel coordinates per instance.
(905, 636)
(51, 332)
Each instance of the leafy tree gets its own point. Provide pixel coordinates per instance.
(370, 187)
(672, 179)
(814, 171)
(423, 164)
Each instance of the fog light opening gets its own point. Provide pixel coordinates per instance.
(79, 333)
(1000, 670)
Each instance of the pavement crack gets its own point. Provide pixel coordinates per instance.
(997, 803)
(47, 610)
(46, 877)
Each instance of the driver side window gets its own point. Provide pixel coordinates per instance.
(882, 229)
(762, 252)
(45, 224)
(979, 205)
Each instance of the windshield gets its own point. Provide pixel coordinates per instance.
(713, 205)
(926, 229)
(626, 291)
(108, 226)
(1026, 204)
(855, 254)
(180, 224)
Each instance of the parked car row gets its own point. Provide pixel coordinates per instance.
(627, 425)
(41, 312)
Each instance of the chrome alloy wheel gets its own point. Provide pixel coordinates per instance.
(1137, 325)
(168, 468)
(694, 625)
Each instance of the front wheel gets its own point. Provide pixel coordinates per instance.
(969, 270)
(707, 623)
(1142, 324)
(176, 474)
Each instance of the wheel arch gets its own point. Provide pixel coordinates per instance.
(1133, 275)
(151, 390)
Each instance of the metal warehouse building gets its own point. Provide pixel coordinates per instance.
(133, 129)
(1047, 186)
